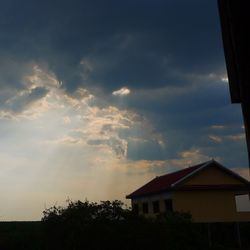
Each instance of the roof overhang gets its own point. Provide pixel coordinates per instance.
(235, 24)
(131, 196)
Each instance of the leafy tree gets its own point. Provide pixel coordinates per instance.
(109, 225)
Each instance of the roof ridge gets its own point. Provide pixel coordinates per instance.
(202, 166)
(180, 170)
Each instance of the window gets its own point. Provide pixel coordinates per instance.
(242, 203)
(135, 208)
(156, 207)
(145, 207)
(169, 205)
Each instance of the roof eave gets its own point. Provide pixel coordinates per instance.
(131, 196)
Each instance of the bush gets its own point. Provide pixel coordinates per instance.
(108, 225)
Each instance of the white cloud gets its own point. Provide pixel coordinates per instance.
(68, 140)
(41, 78)
(121, 92)
(186, 158)
(215, 138)
(4, 114)
(33, 99)
(191, 157)
(79, 121)
(217, 126)
(101, 126)
(237, 137)
(69, 144)
(224, 79)
(213, 76)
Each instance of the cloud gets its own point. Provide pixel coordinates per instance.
(79, 121)
(121, 92)
(159, 167)
(118, 145)
(191, 157)
(174, 90)
(102, 126)
(41, 78)
(30, 99)
(218, 126)
(237, 137)
(25, 98)
(145, 51)
(65, 109)
(215, 138)
(67, 140)
(224, 79)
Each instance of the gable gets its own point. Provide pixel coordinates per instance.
(208, 175)
(212, 175)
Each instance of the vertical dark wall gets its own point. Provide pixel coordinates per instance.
(235, 27)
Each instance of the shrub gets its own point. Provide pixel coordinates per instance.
(108, 225)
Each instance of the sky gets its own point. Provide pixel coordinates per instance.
(98, 97)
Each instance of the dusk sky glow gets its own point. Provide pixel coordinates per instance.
(98, 97)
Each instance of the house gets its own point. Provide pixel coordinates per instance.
(209, 191)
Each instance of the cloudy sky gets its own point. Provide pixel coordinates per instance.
(97, 97)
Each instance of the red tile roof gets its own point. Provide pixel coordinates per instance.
(165, 182)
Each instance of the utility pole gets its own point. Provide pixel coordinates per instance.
(235, 27)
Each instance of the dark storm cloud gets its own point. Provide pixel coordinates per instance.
(198, 116)
(12, 71)
(143, 44)
(149, 150)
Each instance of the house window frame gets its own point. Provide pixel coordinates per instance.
(170, 201)
(156, 206)
(135, 208)
(145, 208)
(241, 204)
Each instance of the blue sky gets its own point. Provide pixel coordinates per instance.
(98, 97)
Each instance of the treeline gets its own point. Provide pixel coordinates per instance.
(106, 225)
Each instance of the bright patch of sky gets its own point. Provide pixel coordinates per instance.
(62, 145)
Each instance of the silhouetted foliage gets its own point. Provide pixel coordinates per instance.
(87, 212)
(22, 235)
(108, 225)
